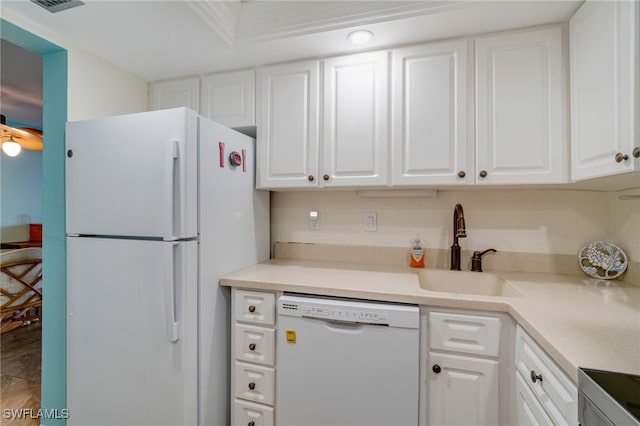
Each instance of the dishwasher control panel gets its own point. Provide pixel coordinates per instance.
(337, 314)
(348, 310)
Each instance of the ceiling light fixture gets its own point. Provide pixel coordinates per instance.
(11, 148)
(360, 36)
(13, 140)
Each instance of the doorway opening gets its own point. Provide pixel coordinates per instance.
(54, 116)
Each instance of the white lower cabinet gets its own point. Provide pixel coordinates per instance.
(554, 395)
(253, 338)
(528, 409)
(463, 390)
(466, 382)
(249, 414)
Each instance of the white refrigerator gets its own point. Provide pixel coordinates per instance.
(159, 205)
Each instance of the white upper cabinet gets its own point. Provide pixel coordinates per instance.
(229, 98)
(604, 89)
(431, 144)
(355, 139)
(174, 94)
(521, 112)
(287, 125)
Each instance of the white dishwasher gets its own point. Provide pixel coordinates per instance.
(346, 362)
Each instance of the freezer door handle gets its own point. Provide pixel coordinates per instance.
(170, 291)
(172, 156)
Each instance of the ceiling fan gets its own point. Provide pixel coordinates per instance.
(16, 139)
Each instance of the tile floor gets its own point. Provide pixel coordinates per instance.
(20, 360)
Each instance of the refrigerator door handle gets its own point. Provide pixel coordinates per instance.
(169, 290)
(172, 154)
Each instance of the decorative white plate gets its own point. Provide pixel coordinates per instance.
(601, 259)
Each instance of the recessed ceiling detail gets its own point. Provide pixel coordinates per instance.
(182, 38)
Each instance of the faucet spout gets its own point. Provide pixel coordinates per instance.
(459, 231)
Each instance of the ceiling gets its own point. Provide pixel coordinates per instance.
(161, 39)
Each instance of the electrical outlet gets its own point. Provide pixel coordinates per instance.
(314, 220)
(371, 222)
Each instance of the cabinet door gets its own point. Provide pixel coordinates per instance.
(521, 129)
(287, 148)
(464, 391)
(229, 98)
(430, 140)
(174, 94)
(355, 137)
(604, 76)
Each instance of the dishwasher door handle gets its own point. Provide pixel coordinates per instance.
(345, 327)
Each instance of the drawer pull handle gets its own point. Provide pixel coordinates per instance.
(252, 308)
(252, 386)
(535, 377)
(436, 368)
(251, 423)
(620, 157)
(252, 347)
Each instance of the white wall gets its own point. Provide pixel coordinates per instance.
(98, 88)
(535, 221)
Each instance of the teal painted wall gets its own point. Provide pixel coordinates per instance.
(53, 218)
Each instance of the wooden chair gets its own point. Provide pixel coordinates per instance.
(20, 288)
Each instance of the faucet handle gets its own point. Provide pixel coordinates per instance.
(480, 254)
(476, 260)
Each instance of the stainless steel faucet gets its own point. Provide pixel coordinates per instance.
(459, 231)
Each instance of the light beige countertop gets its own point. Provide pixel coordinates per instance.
(579, 321)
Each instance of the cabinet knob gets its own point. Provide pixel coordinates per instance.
(535, 377)
(252, 308)
(252, 386)
(636, 152)
(620, 157)
(483, 173)
(251, 423)
(252, 347)
(310, 178)
(325, 177)
(436, 368)
(461, 174)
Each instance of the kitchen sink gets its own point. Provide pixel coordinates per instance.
(474, 283)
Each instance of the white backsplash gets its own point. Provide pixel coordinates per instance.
(514, 220)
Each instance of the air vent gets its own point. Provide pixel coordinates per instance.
(54, 6)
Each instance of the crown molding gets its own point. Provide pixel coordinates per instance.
(221, 15)
(269, 20)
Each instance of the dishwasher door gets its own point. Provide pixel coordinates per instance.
(345, 362)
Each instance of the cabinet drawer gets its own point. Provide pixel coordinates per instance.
(255, 307)
(471, 334)
(255, 344)
(555, 392)
(249, 414)
(528, 409)
(254, 382)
